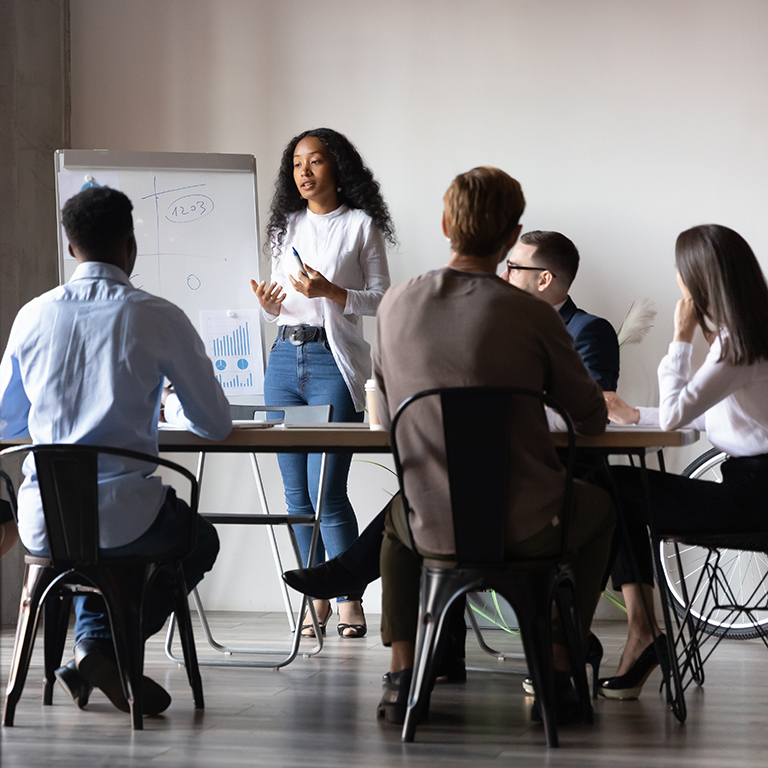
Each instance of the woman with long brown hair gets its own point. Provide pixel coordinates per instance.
(726, 296)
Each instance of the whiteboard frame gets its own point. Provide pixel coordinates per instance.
(116, 160)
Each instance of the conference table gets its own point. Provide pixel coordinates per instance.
(637, 442)
(356, 438)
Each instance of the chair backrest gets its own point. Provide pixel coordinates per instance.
(67, 477)
(291, 414)
(479, 425)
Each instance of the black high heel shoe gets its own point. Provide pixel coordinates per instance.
(355, 630)
(308, 630)
(629, 685)
(593, 657)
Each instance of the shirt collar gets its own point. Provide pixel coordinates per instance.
(91, 270)
(343, 208)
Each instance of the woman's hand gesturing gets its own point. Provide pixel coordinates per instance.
(270, 297)
(316, 286)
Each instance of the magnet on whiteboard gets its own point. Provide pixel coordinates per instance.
(231, 314)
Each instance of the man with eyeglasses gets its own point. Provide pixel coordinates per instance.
(544, 264)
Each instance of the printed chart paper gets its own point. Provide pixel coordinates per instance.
(231, 340)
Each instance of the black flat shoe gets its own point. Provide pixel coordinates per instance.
(97, 666)
(628, 686)
(454, 671)
(394, 702)
(73, 684)
(325, 581)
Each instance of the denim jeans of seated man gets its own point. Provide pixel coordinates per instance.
(308, 375)
(170, 525)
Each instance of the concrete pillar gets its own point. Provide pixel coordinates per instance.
(34, 121)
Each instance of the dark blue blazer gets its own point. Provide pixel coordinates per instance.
(596, 342)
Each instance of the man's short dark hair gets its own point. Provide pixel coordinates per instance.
(97, 219)
(555, 252)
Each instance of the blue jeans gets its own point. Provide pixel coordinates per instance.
(91, 619)
(308, 375)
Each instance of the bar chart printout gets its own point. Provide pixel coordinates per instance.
(232, 342)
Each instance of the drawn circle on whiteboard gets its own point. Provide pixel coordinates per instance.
(242, 364)
(189, 208)
(193, 282)
(221, 365)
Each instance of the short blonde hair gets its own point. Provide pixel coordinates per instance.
(482, 208)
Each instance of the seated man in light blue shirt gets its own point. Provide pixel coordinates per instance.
(85, 363)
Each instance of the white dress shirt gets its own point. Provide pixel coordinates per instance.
(730, 402)
(85, 363)
(348, 249)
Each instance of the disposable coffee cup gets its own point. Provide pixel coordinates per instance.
(370, 401)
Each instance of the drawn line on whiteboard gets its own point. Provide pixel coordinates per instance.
(167, 191)
(157, 225)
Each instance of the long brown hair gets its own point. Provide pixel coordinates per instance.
(728, 288)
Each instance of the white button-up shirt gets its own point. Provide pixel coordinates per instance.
(730, 402)
(348, 249)
(85, 363)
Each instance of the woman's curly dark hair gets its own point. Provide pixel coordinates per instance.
(359, 189)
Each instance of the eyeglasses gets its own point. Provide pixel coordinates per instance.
(511, 266)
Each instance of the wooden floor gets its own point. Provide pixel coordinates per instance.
(322, 712)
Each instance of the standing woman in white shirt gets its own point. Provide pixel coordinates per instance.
(724, 294)
(328, 208)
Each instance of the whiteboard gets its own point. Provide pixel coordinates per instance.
(197, 231)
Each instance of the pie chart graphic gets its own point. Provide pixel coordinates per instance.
(221, 365)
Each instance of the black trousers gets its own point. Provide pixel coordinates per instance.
(682, 506)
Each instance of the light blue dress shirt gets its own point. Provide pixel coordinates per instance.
(85, 363)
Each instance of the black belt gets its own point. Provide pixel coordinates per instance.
(302, 334)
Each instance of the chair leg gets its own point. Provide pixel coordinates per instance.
(36, 581)
(531, 598)
(57, 609)
(123, 591)
(186, 634)
(565, 598)
(670, 667)
(438, 590)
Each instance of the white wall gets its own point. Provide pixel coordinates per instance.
(625, 123)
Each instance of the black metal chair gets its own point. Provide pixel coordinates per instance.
(713, 586)
(718, 598)
(479, 425)
(68, 477)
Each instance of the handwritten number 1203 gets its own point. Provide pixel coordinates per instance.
(189, 208)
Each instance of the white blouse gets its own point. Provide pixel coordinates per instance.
(730, 402)
(348, 249)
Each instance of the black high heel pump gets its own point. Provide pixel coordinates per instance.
(593, 657)
(629, 685)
